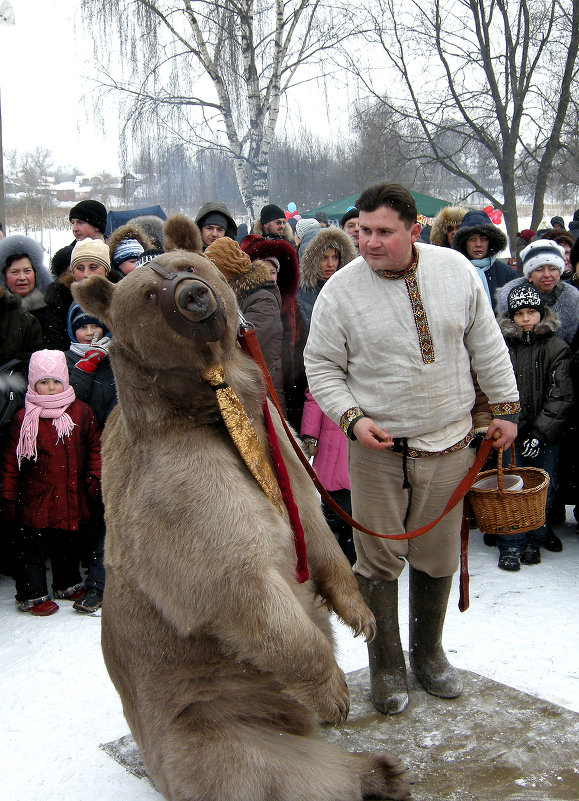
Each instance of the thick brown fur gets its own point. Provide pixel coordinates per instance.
(224, 663)
(447, 218)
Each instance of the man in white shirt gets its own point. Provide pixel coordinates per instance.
(388, 358)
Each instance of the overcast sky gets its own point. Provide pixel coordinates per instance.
(42, 61)
(45, 59)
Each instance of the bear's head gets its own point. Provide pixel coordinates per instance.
(175, 312)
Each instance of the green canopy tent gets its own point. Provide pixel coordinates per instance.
(426, 205)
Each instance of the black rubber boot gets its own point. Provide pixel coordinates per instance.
(428, 601)
(387, 666)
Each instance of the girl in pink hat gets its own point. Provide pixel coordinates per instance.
(50, 467)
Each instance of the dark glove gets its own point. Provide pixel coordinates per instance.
(530, 448)
(94, 356)
(9, 511)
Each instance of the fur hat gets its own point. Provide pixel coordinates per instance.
(48, 364)
(90, 211)
(19, 245)
(258, 247)
(228, 257)
(306, 224)
(524, 296)
(541, 252)
(350, 214)
(479, 222)
(152, 226)
(93, 250)
(321, 216)
(271, 212)
(555, 220)
(447, 218)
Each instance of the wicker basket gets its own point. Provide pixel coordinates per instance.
(499, 511)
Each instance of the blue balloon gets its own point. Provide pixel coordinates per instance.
(291, 207)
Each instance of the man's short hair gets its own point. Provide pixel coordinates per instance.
(394, 196)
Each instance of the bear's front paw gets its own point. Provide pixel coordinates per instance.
(331, 698)
(356, 614)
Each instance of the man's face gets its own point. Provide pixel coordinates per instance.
(386, 240)
(84, 230)
(353, 230)
(477, 246)
(210, 233)
(274, 228)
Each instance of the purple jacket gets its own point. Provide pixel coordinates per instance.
(331, 460)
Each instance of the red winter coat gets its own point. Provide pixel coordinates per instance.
(53, 490)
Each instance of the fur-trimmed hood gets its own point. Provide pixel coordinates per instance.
(129, 231)
(447, 218)
(288, 234)
(324, 238)
(259, 247)
(16, 244)
(478, 222)
(547, 327)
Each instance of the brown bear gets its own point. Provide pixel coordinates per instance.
(222, 658)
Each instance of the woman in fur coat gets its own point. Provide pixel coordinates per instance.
(22, 272)
(329, 250)
(543, 265)
(258, 297)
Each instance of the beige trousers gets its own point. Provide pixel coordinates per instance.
(380, 503)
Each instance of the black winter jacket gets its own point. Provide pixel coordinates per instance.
(20, 332)
(542, 364)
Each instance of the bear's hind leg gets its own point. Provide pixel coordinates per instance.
(250, 764)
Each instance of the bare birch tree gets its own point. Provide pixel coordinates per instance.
(212, 73)
(493, 73)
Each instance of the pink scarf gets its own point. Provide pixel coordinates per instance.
(45, 364)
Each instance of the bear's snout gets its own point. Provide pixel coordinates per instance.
(196, 298)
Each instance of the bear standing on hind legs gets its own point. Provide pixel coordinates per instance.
(222, 658)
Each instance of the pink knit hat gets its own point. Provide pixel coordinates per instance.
(48, 364)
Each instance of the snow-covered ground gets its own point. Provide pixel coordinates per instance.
(58, 704)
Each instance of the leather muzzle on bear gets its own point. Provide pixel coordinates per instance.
(189, 304)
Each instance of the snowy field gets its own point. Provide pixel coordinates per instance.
(58, 704)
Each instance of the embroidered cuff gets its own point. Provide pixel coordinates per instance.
(504, 409)
(348, 419)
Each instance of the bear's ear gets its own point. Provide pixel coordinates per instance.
(94, 295)
(181, 233)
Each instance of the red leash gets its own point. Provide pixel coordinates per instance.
(250, 345)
